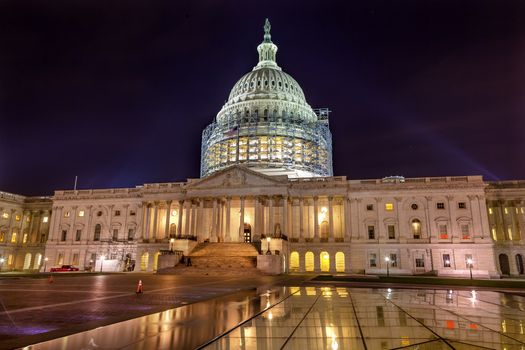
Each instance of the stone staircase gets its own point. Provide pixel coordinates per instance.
(219, 259)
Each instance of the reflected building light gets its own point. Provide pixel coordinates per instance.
(310, 291)
(521, 327)
(296, 291)
(335, 345)
(270, 316)
(389, 290)
(504, 326)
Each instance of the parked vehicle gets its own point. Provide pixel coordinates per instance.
(64, 268)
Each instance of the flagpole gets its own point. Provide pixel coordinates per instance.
(76, 178)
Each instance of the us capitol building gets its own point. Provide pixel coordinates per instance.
(267, 197)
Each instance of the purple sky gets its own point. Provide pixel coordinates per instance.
(118, 92)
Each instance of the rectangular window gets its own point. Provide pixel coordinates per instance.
(373, 260)
(60, 259)
(506, 210)
(393, 260)
(465, 231)
(446, 260)
(117, 212)
(13, 237)
(75, 259)
(420, 262)
(2, 236)
(369, 207)
(78, 235)
(5, 215)
(115, 234)
(67, 214)
(391, 232)
(10, 259)
(494, 234)
(389, 206)
(64, 235)
(17, 217)
(491, 211)
(443, 234)
(81, 213)
(24, 238)
(440, 205)
(132, 213)
(44, 220)
(462, 205)
(371, 232)
(131, 234)
(468, 257)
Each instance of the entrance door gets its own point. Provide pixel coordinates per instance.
(247, 233)
(504, 264)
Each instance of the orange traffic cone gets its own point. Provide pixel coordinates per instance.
(50, 279)
(139, 287)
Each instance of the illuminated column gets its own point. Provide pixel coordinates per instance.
(331, 219)
(72, 227)
(179, 219)
(125, 229)
(241, 222)
(38, 226)
(90, 219)
(316, 220)
(270, 217)
(360, 225)
(256, 216)
(292, 217)
(200, 219)
(346, 216)
(432, 234)
(220, 224)
(187, 215)
(301, 218)
(167, 225)
(379, 217)
(227, 237)
(285, 217)
(155, 220)
(452, 219)
(194, 218)
(213, 233)
(148, 221)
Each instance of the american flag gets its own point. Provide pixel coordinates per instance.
(231, 132)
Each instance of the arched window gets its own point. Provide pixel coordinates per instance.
(519, 263)
(98, 228)
(27, 261)
(294, 262)
(309, 262)
(325, 261)
(504, 264)
(38, 261)
(340, 262)
(416, 228)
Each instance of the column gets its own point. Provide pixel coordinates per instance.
(241, 222)
(454, 233)
(125, 229)
(220, 224)
(167, 224)
(213, 236)
(331, 222)
(359, 225)
(285, 229)
(148, 222)
(89, 211)
(301, 218)
(256, 216)
(200, 222)
(38, 227)
(346, 210)
(187, 215)
(155, 220)
(72, 230)
(179, 219)
(227, 237)
(292, 217)
(52, 223)
(271, 229)
(430, 220)
(194, 213)
(316, 220)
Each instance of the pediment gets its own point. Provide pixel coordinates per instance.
(235, 177)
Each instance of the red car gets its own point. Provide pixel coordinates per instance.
(64, 268)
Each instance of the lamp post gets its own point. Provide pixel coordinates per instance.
(1, 263)
(102, 257)
(45, 263)
(387, 259)
(268, 240)
(469, 262)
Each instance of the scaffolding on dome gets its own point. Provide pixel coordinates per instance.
(269, 141)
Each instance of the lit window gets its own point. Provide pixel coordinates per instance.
(5, 215)
(517, 211)
(446, 260)
(17, 217)
(416, 228)
(506, 210)
(509, 232)
(494, 235)
(28, 219)
(13, 237)
(389, 206)
(67, 214)
(45, 219)
(2, 236)
(491, 211)
(462, 205)
(443, 234)
(522, 210)
(81, 213)
(440, 205)
(24, 239)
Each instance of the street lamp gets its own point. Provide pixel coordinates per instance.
(268, 240)
(387, 259)
(469, 262)
(45, 263)
(102, 257)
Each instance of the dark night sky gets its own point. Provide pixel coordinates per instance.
(118, 92)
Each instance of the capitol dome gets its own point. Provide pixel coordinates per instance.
(267, 125)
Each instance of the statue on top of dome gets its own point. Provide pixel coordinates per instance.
(267, 27)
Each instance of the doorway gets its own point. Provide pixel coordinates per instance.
(247, 233)
(504, 264)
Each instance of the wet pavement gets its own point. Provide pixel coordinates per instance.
(311, 317)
